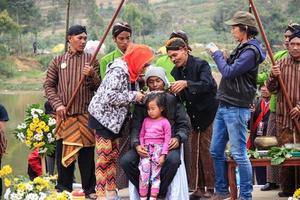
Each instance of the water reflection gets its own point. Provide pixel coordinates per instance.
(16, 104)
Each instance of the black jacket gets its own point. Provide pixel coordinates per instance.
(176, 115)
(240, 90)
(200, 94)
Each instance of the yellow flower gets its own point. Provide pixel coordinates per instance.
(29, 133)
(38, 145)
(7, 169)
(39, 130)
(28, 142)
(32, 126)
(42, 124)
(7, 182)
(297, 193)
(21, 187)
(35, 120)
(46, 128)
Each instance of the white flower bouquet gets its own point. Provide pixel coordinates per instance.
(37, 131)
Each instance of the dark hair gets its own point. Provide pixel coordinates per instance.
(160, 99)
(119, 27)
(251, 31)
(292, 27)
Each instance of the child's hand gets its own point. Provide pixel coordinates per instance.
(162, 159)
(142, 151)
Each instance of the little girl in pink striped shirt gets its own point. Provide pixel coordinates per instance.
(155, 136)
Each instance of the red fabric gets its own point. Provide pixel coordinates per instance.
(136, 56)
(35, 162)
(264, 108)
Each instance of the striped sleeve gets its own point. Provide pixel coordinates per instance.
(94, 81)
(50, 84)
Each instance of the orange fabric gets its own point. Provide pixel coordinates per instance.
(136, 56)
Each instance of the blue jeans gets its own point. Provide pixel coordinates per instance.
(231, 125)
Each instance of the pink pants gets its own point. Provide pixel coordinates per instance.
(150, 171)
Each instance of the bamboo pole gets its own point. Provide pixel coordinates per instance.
(281, 83)
(92, 59)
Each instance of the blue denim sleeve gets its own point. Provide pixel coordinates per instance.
(242, 64)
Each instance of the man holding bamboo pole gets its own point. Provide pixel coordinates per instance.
(75, 141)
(289, 69)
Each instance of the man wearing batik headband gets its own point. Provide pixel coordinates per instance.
(164, 60)
(75, 141)
(121, 34)
(288, 69)
(197, 88)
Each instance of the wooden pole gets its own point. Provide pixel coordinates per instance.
(282, 85)
(92, 59)
(67, 25)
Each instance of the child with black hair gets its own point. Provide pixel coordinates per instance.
(155, 136)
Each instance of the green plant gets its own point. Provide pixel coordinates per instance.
(279, 154)
(253, 154)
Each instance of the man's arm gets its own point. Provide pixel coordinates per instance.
(50, 84)
(182, 128)
(94, 80)
(138, 117)
(206, 81)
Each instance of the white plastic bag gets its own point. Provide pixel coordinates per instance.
(178, 189)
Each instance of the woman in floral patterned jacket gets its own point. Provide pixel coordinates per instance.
(108, 110)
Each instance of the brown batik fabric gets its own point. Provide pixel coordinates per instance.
(200, 169)
(273, 172)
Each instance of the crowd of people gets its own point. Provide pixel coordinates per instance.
(140, 133)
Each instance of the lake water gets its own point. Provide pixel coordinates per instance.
(16, 104)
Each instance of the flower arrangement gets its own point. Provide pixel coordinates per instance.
(20, 187)
(37, 131)
(296, 195)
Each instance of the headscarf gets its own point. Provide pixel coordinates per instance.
(136, 56)
(294, 35)
(175, 44)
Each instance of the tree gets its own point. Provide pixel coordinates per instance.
(7, 24)
(132, 15)
(53, 18)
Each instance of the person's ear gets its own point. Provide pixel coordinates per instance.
(69, 38)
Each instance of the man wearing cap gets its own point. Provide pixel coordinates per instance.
(165, 62)
(156, 80)
(196, 88)
(75, 141)
(236, 93)
(288, 69)
(121, 34)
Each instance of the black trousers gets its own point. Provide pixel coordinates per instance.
(86, 165)
(130, 161)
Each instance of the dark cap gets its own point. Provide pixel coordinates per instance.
(119, 27)
(175, 44)
(242, 17)
(76, 30)
(181, 34)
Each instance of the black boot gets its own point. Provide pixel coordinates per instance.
(269, 186)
